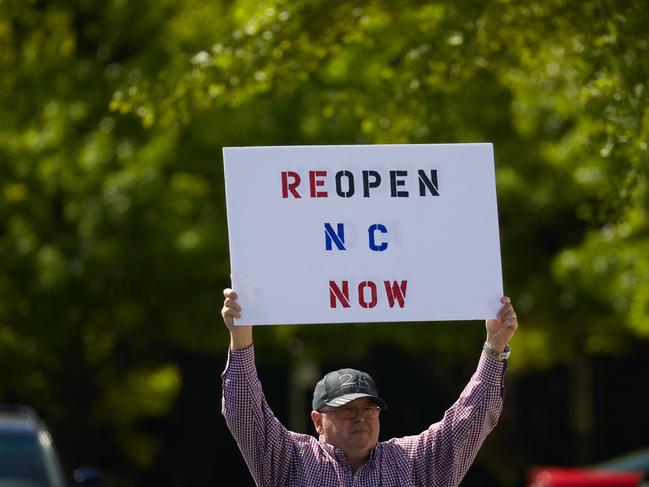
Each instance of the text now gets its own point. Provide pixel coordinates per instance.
(367, 293)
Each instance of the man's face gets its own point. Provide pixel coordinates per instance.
(354, 427)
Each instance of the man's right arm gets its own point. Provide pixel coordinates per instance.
(265, 443)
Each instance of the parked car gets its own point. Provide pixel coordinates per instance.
(28, 457)
(629, 470)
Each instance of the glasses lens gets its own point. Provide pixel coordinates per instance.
(372, 412)
(351, 413)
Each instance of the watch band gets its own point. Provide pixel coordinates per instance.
(500, 356)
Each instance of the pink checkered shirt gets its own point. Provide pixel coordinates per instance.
(439, 456)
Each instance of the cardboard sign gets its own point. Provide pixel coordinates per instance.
(363, 233)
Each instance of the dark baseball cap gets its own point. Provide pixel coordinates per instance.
(341, 386)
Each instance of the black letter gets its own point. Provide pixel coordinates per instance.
(431, 183)
(366, 182)
(350, 179)
(394, 182)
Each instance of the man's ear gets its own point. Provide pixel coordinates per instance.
(316, 417)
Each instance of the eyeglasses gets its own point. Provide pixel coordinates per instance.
(349, 412)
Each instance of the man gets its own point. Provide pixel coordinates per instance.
(346, 409)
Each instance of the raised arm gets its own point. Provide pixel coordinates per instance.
(443, 453)
(267, 446)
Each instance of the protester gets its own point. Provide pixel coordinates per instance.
(346, 417)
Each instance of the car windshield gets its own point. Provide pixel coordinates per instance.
(21, 461)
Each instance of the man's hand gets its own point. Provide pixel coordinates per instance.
(240, 335)
(501, 330)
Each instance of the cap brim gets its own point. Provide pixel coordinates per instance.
(346, 398)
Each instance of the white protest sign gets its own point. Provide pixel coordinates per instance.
(363, 233)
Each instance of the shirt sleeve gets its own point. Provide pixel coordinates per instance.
(265, 443)
(443, 453)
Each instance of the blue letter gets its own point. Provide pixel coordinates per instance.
(372, 230)
(338, 238)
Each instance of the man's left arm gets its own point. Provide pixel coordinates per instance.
(443, 453)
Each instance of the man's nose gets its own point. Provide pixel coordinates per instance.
(358, 415)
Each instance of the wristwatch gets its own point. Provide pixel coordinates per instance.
(500, 356)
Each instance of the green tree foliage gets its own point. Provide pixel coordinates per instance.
(113, 242)
(560, 89)
(107, 230)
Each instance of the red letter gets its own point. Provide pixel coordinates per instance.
(395, 291)
(335, 292)
(317, 182)
(286, 186)
(361, 294)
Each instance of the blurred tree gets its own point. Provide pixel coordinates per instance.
(113, 246)
(105, 227)
(560, 89)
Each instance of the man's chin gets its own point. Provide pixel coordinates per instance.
(362, 440)
(360, 432)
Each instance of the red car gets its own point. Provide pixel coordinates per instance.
(578, 477)
(626, 471)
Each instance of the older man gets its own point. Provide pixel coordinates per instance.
(346, 417)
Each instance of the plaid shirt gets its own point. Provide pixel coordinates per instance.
(439, 456)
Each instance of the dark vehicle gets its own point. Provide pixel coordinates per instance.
(27, 454)
(630, 470)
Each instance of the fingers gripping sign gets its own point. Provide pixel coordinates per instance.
(231, 308)
(501, 329)
(240, 335)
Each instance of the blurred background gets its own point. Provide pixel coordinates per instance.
(113, 231)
